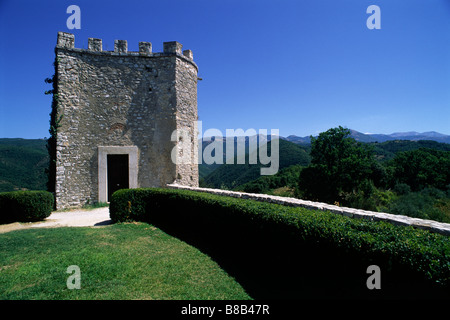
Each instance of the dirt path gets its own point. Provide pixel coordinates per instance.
(75, 218)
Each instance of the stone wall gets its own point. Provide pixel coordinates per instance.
(434, 226)
(122, 99)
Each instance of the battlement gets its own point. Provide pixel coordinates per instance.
(67, 41)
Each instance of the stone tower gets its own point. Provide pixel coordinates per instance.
(120, 115)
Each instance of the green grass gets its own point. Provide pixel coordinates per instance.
(121, 261)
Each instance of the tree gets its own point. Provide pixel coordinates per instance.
(339, 166)
(423, 168)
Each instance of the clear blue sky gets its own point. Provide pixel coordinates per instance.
(298, 66)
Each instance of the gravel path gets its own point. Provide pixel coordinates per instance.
(74, 218)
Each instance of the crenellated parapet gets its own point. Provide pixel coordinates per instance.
(95, 46)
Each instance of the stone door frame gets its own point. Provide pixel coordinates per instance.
(103, 151)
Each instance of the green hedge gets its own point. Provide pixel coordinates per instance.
(279, 251)
(25, 206)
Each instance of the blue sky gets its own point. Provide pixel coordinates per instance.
(298, 66)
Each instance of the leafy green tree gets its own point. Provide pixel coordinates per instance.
(423, 168)
(339, 166)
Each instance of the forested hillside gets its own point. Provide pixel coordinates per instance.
(23, 164)
(229, 176)
(387, 150)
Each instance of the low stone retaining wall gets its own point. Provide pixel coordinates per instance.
(434, 226)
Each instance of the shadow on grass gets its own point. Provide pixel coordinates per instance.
(272, 269)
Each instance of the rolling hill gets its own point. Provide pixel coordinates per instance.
(22, 164)
(232, 175)
(386, 150)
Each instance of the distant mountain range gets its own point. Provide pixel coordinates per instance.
(373, 137)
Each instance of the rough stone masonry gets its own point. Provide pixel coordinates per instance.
(118, 111)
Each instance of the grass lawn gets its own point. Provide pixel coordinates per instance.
(121, 261)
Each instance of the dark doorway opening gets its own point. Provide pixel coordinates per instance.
(118, 175)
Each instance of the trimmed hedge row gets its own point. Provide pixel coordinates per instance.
(25, 206)
(295, 251)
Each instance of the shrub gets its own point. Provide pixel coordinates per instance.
(443, 205)
(402, 189)
(311, 252)
(433, 193)
(422, 205)
(25, 206)
(412, 205)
